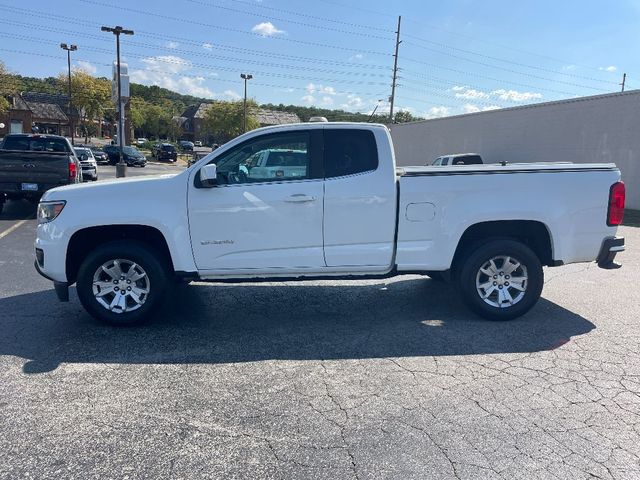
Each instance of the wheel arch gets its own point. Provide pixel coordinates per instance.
(536, 235)
(85, 240)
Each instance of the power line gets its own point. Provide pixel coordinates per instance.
(502, 81)
(235, 30)
(294, 22)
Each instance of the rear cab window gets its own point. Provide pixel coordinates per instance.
(349, 152)
(36, 144)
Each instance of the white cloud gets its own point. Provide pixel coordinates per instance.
(469, 108)
(437, 112)
(353, 102)
(207, 46)
(308, 99)
(516, 96)
(172, 45)
(568, 67)
(322, 89)
(469, 93)
(266, 29)
(326, 101)
(357, 56)
(610, 68)
(232, 94)
(86, 66)
(165, 70)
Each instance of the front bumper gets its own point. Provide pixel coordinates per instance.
(610, 248)
(61, 288)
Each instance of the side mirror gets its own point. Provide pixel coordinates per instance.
(208, 175)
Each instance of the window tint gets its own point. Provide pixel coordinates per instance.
(347, 152)
(287, 157)
(35, 144)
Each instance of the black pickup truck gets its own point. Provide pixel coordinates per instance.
(31, 164)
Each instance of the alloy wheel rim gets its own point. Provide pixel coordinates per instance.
(121, 285)
(502, 281)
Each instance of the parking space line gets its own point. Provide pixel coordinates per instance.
(13, 228)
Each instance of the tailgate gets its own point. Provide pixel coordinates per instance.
(42, 168)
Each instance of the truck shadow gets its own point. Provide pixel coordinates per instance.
(227, 324)
(18, 210)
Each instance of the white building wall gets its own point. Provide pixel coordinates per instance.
(603, 128)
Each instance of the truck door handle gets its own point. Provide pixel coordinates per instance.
(29, 165)
(299, 198)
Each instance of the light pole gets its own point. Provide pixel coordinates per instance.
(245, 77)
(69, 49)
(121, 167)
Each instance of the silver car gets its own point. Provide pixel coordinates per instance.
(88, 163)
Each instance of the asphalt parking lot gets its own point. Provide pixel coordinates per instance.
(358, 379)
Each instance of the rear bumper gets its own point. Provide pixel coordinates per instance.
(610, 248)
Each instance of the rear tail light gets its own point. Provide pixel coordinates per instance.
(615, 213)
(73, 169)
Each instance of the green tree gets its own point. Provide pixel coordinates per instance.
(7, 87)
(404, 116)
(91, 97)
(225, 120)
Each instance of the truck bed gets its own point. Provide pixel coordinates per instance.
(497, 168)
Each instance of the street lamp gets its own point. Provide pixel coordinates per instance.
(69, 49)
(245, 77)
(121, 167)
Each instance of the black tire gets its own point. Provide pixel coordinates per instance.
(146, 258)
(530, 268)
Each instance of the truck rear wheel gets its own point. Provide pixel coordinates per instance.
(501, 280)
(121, 283)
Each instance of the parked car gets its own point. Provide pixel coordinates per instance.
(458, 159)
(166, 151)
(131, 155)
(197, 143)
(354, 213)
(31, 164)
(276, 163)
(186, 146)
(141, 141)
(88, 163)
(99, 155)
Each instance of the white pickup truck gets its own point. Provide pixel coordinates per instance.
(350, 212)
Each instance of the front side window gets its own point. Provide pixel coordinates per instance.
(269, 158)
(349, 151)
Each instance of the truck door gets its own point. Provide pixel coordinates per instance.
(250, 221)
(360, 199)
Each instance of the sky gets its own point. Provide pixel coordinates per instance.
(456, 56)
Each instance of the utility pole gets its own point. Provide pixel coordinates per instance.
(395, 72)
(69, 49)
(121, 167)
(624, 80)
(246, 77)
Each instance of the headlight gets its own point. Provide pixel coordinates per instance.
(48, 211)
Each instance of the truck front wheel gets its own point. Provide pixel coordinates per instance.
(121, 283)
(501, 279)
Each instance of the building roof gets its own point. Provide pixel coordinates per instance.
(272, 117)
(47, 111)
(265, 117)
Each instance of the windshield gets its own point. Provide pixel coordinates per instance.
(131, 151)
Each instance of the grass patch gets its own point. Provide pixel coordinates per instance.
(631, 218)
